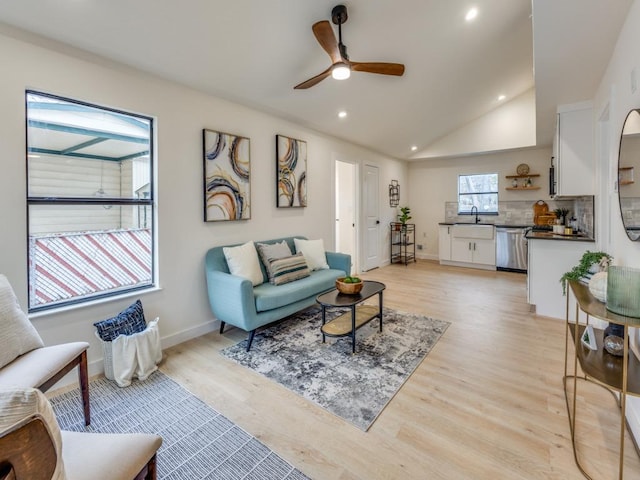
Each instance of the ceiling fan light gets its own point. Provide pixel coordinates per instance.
(340, 71)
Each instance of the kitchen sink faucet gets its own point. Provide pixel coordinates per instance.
(476, 208)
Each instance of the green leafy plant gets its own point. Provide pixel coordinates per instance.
(351, 279)
(588, 259)
(562, 213)
(405, 215)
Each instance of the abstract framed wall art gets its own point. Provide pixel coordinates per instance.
(291, 175)
(227, 176)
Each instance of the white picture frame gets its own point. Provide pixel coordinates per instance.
(588, 338)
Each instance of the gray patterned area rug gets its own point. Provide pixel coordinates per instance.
(354, 387)
(197, 441)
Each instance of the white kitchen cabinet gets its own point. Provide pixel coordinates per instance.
(473, 250)
(444, 242)
(468, 245)
(573, 151)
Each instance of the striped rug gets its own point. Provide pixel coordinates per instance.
(197, 441)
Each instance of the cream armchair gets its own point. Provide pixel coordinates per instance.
(32, 446)
(26, 362)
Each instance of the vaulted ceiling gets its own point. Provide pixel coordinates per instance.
(254, 52)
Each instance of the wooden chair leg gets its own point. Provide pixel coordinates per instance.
(152, 472)
(83, 378)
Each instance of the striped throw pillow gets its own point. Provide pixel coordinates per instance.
(287, 269)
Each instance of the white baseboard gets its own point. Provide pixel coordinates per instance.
(96, 367)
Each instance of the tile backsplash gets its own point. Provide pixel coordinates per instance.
(521, 212)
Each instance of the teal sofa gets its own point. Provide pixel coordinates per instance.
(234, 300)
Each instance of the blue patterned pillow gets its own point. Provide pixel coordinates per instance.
(127, 322)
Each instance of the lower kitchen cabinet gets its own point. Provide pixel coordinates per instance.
(444, 242)
(473, 250)
(467, 245)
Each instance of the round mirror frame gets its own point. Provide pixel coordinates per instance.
(628, 159)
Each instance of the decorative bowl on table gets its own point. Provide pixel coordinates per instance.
(349, 285)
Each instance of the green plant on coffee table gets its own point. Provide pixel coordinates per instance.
(351, 279)
(581, 270)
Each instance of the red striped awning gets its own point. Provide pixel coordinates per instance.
(76, 265)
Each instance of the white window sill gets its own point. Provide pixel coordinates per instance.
(92, 303)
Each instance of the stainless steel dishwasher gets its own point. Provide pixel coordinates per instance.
(511, 249)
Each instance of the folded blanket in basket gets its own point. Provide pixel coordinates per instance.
(136, 355)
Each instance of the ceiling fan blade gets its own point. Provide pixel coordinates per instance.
(314, 80)
(327, 40)
(376, 67)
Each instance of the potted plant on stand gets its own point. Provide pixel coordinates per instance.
(405, 214)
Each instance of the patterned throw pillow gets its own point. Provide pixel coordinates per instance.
(127, 322)
(288, 269)
(272, 251)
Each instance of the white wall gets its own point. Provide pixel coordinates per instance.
(512, 125)
(183, 237)
(614, 95)
(434, 182)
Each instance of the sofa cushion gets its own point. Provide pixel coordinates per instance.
(17, 334)
(287, 269)
(270, 296)
(272, 251)
(313, 251)
(243, 262)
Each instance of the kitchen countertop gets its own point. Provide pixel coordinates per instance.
(576, 237)
(497, 225)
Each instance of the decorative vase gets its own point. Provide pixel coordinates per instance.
(598, 286)
(623, 291)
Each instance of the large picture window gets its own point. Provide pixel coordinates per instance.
(90, 200)
(480, 191)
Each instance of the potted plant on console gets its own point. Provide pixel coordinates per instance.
(590, 263)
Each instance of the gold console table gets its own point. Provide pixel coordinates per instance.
(616, 374)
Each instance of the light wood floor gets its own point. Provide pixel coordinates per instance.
(487, 402)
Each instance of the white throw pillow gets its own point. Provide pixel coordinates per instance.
(17, 335)
(313, 251)
(243, 262)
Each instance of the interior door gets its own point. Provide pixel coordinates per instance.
(372, 217)
(345, 209)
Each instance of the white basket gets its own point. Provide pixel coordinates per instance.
(108, 357)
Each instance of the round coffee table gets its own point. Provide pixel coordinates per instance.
(357, 316)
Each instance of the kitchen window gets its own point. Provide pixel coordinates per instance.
(90, 201)
(480, 191)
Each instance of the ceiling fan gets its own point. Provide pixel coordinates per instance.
(341, 66)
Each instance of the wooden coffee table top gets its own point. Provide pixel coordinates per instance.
(334, 298)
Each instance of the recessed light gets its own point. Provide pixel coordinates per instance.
(342, 114)
(471, 14)
(501, 97)
(413, 148)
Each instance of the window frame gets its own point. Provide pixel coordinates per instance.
(496, 193)
(144, 201)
